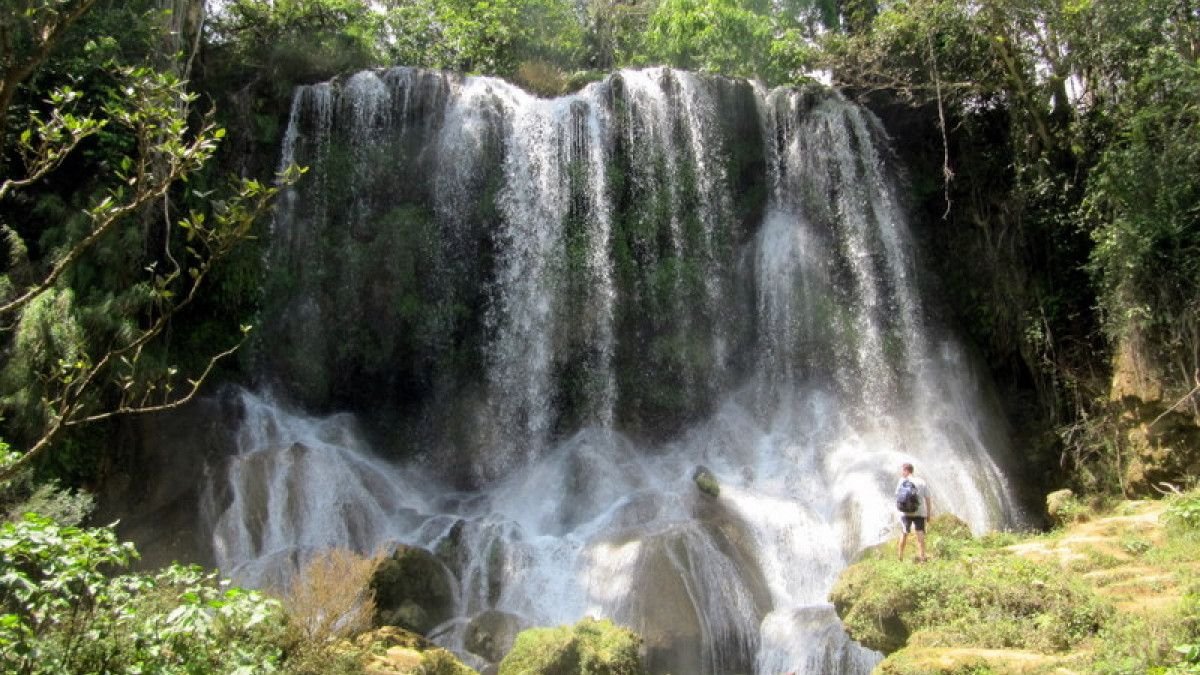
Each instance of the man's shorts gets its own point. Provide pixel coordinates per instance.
(909, 523)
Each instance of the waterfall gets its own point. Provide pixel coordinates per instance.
(523, 325)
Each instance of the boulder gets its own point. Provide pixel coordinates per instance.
(413, 590)
(150, 483)
(590, 647)
(491, 634)
(709, 594)
(395, 651)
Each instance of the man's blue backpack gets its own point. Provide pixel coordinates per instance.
(908, 499)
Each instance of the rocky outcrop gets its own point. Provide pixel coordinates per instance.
(1062, 507)
(151, 482)
(1090, 597)
(1165, 448)
(708, 589)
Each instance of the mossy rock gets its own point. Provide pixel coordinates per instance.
(394, 651)
(706, 481)
(491, 634)
(970, 661)
(413, 590)
(950, 526)
(979, 597)
(590, 647)
(874, 615)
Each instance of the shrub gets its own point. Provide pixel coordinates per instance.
(591, 647)
(331, 597)
(60, 611)
(1183, 512)
(21, 494)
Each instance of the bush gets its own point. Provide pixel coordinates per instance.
(1183, 512)
(591, 647)
(61, 612)
(21, 493)
(331, 597)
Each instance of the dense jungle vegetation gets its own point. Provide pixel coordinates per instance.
(1053, 150)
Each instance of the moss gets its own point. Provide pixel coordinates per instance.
(590, 647)
(395, 651)
(988, 604)
(706, 481)
(412, 590)
(968, 595)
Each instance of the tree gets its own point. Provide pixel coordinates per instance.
(491, 38)
(84, 299)
(1063, 138)
(729, 37)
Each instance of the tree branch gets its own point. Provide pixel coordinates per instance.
(105, 215)
(45, 39)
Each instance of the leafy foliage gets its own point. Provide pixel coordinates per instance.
(63, 613)
(1142, 204)
(99, 270)
(23, 493)
(721, 36)
(1183, 512)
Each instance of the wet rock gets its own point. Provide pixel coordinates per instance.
(491, 634)
(150, 483)
(413, 590)
(450, 547)
(709, 595)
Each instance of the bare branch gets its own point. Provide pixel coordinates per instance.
(193, 387)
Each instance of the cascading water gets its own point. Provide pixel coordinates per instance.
(549, 315)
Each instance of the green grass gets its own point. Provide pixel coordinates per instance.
(977, 594)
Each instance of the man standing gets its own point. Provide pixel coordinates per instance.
(912, 516)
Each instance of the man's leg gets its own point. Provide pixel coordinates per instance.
(903, 536)
(921, 539)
